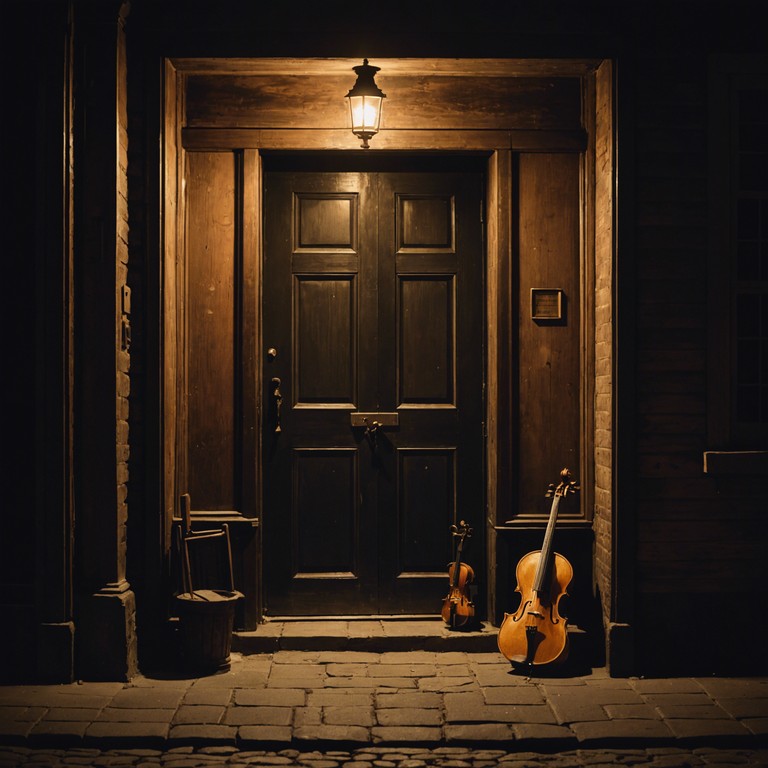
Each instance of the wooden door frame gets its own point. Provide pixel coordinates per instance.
(499, 145)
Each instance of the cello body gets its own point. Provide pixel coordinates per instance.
(536, 633)
(536, 629)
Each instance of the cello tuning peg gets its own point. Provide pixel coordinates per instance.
(573, 486)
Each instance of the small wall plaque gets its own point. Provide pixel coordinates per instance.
(546, 304)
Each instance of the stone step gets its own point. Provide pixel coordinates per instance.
(372, 634)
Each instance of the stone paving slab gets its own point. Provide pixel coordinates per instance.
(349, 699)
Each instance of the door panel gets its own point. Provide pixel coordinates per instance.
(427, 480)
(325, 339)
(373, 301)
(427, 342)
(326, 477)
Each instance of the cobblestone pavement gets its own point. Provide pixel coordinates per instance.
(383, 757)
(430, 707)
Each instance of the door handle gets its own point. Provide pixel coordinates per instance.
(368, 420)
(372, 423)
(277, 400)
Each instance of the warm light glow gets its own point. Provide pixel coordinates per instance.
(365, 103)
(365, 113)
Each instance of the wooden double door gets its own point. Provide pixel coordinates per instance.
(373, 334)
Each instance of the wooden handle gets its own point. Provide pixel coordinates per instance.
(186, 519)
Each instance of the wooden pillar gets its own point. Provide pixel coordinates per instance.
(498, 386)
(105, 603)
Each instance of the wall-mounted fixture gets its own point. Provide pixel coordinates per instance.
(547, 306)
(365, 103)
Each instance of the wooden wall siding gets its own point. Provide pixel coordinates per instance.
(548, 353)
(285, 101)
(172, 364)
(211, 317)
(214, 295)
(498, 374)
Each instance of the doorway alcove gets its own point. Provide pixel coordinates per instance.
(542, 130)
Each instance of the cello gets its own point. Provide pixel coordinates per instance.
(458, 608)
(536, 633)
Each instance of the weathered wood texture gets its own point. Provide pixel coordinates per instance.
(172, 369)
(548, 352)
(304, 139)
(211, 322)
(413, 102)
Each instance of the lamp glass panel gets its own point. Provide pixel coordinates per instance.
(366, 112)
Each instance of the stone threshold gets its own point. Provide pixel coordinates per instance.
(378, 634)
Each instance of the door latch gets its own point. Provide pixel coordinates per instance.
(360, 419)
(372, 423)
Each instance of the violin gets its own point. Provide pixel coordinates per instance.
(458, 608)
(536, 633)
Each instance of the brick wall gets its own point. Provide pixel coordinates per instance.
(699, 538)
(603, 337)
(123, 297)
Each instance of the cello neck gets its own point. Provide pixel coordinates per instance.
(566, 486)
(540, 579)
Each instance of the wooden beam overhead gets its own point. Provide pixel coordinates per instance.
(413, 67)
(212, 139)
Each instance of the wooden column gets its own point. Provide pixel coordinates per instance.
(498, 385)
(105, 603)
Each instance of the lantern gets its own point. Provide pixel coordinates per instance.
(365, 103)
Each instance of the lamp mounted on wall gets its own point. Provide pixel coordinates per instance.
(365, 103)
